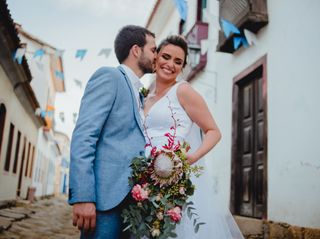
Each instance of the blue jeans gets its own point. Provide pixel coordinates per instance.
(108, 224)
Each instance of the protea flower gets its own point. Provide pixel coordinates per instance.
(167, 169)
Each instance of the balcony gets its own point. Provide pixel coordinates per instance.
(245, 14)
(196, 61)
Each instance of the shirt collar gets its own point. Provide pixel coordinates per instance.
(136, 83)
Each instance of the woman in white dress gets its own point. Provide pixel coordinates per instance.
(176, 106)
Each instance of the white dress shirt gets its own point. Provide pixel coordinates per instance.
(136, 85)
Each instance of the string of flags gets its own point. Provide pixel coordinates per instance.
(39, 53)
(245, 39)
(43, 113)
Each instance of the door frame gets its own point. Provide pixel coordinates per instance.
(261, 62)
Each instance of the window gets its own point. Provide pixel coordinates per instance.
(15, 164)
(61, 116)
(9, 148)
(27, 164)
(202, 4)
(3, 112)
(32, 160)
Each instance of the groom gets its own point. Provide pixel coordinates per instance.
(108, 134)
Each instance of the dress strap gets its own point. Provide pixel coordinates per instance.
(173, 91)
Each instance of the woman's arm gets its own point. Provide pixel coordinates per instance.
(198, 111)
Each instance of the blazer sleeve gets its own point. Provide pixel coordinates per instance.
(96, 104)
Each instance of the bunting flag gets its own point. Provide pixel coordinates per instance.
(78, 83)
(50, 114)
(228, 28)
(251, 37)
(48, 121)
(59, 74)
(182, 8)
(105, 51)
(81, 53)
(238, 40)
(38, 111)
(39, 53)
(50, 107)
(45, 113)
(61, 116)
(18, 55)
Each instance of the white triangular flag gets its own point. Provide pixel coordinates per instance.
(251, 37)
(105, 51)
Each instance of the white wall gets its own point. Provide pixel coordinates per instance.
(290, 41)
(17, 115)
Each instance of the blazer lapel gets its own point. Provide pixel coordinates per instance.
(135, 107)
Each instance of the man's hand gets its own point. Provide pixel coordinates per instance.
(84, 215)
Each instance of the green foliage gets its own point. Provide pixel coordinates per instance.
(149, 217)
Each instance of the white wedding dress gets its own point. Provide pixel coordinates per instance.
(168, 116)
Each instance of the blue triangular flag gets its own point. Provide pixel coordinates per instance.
(59, 74)
(81, 53)
(245, 43)
(18, 55)
(39, 53)
(49, 114)
(228, 28)
(182, 8)
(43, 114)
(236, 42)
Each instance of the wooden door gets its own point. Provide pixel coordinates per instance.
(249, 144)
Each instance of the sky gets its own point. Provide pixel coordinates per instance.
(78, 24)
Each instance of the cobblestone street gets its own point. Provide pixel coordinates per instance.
(48, 218)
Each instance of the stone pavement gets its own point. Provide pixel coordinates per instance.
(48, 218)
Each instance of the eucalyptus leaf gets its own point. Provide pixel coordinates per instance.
(196, 229)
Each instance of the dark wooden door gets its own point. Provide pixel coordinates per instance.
(249, 162)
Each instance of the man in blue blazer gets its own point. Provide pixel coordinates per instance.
(108, 134)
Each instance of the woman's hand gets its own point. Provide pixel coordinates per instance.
(192, 158)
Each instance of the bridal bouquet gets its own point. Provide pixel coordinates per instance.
(161, 186)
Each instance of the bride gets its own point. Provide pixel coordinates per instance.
(178, 102)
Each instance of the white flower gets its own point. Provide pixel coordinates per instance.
(160, 215)
(163, 166)
(155, 232)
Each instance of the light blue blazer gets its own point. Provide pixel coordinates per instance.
(108, 134)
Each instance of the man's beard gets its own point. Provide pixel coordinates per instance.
(145, 65)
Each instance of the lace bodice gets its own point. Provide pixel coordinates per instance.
(166, 116)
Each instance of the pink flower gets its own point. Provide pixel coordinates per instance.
(177, 146)
(154, 151)
(175, 214)
(139, 193)
(182, 190)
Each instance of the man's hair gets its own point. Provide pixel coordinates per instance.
(175, 40)
(127, 37)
